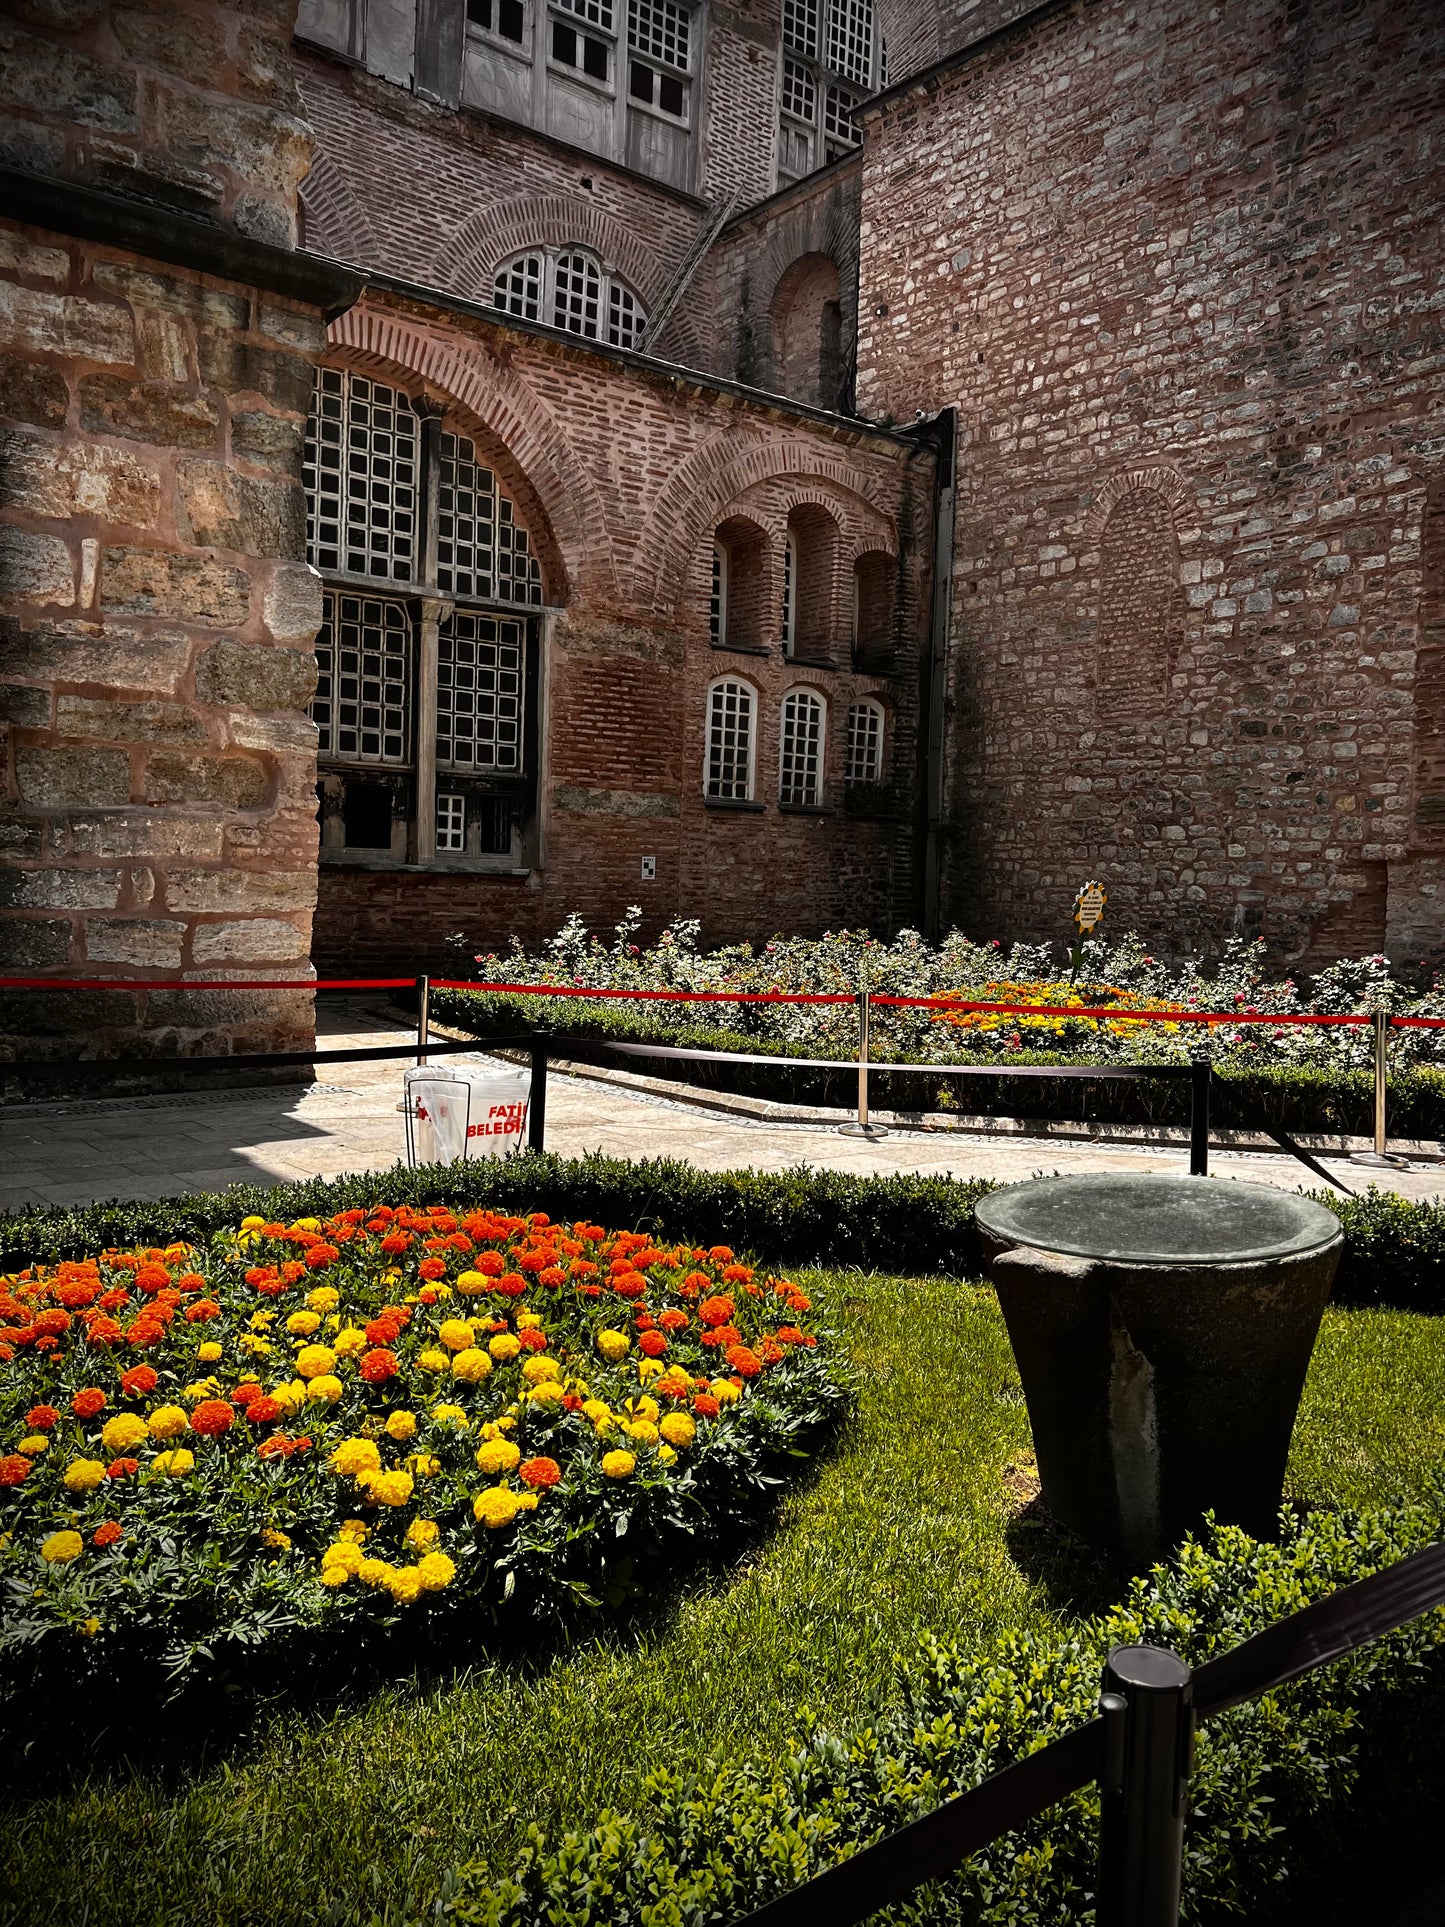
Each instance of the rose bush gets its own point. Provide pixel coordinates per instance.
(394, 1410)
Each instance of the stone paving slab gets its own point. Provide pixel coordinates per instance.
(88, 1149)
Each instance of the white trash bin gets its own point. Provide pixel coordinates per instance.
(465, 1111)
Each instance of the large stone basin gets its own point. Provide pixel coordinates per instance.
(1163, 1328)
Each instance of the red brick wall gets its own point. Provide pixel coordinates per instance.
(1190, 252)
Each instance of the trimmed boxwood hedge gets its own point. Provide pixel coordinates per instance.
(905, 1225)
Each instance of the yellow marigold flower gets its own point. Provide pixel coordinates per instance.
(423, 1533)
(644, 1408)
(401, 1425)
(613, 1345)
(678, 1429)
(648, 1369)
(354, 1456)
(404, 1585)
(291, 1396)
(61, 1547)
(175, 1465)
(34, 1445)
(495, 1507)
(372, 1572)
(325, 1390)
(471, 1282)
(345, 1553)
(252, 1224)
(307, 1224)
(643, 1430)
(315, 1361)
(528, 1501)
(448, 1415)
(596, 1409)
(498, 1455)
(201, 1388)
(618, 1465)
(89, 1626)
(435, 1570)
(262, 1320)
(334, 1575)
(434, 1360)
(209, 1353)
(724, 1391)
(537, 1369)
(324, 1298)
(387, 1488)
(350, 1340)
(255, 1346)
(168, 1422)
(121, 1433)
(471, 1367)
(424, 1465)
(549, 1392)
(528, 1321)
(354, 1530)
(456, 1334)
(667, 1455)
(301, 1324)
(278, 1541)
(83, 1475)
(674, 1379)
(504, 1347)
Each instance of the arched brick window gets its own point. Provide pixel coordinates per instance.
(875, 583)
(864, 760)
(800, 750)
(730, 751)
(740, 574)
(811, 576)
(1138, 607)
(570, 287)
(808, 331)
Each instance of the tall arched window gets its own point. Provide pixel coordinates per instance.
(570, 287)
(864, 762)
(800, 750)
(730, 756)
(717, 608)
(739, 616)
(814, 550)
(787, 625)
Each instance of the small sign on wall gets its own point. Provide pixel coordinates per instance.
(649, 869)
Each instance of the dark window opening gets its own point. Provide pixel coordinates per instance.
(594, 59)
(494, 818)
(564, 44)
(639, 83)
(366, 813)
(505, 17)
(670, 95)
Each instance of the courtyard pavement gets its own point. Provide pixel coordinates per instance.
(81, 1150)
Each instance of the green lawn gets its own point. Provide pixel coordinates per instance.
(914, 1523)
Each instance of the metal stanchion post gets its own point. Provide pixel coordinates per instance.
(1148, 1708)
(1199, 1118)
(537, 1104)
(1380, 1155)
(423, 1033)
(862, 1128)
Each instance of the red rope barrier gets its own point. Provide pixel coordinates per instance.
(1417, 1023)
(650, 996)
(205, 983)
(1119, 1014)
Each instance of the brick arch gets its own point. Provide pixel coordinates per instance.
(463, 372)
(336, 222)
(1164, 481)
(862, 526)
(700, 490)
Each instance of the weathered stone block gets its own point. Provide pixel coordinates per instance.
(38, 75)
(270, 151)
(113, 405)
(144, 722)
(291, 603)
(265, 219)
(24, 708)
(77, 479)
(241, 368)
(218, 508)
(60, 889)
(35, 568)
(148, 288)
(154, 941)
(236, 673)
(146, 833)
(118, 658)
(304, 331)
(271, 439)
(248, 940)
(32, 393)
(64, 324)
(151, 582)
(249, 890)
(20, 841)
(151, 174)
(31, 261)
(234, 782)
(276, 733)
(33, 943)
(187, 44)
(66, 1013)
(163, 346)
(51, 778)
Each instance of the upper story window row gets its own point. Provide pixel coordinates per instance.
(570, 288)
(832, 58)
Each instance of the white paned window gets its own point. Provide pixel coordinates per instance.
(717, 608)
(481, 670)
(505, 18)
(597, 13)
(800, 750)
(788, 624)
(482, 550)
(361, 477)
(660, 28)
(864, 762)
(451, 823)
(362, 703)
(570, 288)
(832, 58)
(729, 757)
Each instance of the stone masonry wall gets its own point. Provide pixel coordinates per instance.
(158, 813)
(1179, 271)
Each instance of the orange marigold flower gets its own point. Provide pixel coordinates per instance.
(790, 1335)
(512, 1284)
(652, 1344)
(321, 1255)
(539, 1472)
(744, 1362)
(190, 1281)
(88, 1402)
(14, 1468)
(152, 1278)
(107, 1534)
(260, 1274)
(673, 1319)
(122, 1468)
(395, 1242)
(51, 1324)
(705, 1405)
(212, 1417)
(737, 1274)
(378, 1365)
(491, 1264)
(432, 1268)
(139, 1380)
(716, 1311)
(629, 1284)
(532, 1341)
(264, 1410)
(203, 1309)
(246, 1392)
(551, 1277)
(383, 1331)
(40, 1418)
(721, 1254)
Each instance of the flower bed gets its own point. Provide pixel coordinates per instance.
(396, 1411)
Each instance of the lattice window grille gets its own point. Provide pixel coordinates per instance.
(360, 475)
(882, 63)
(730, 742)
(482, 550)
(577, 296)
(518, 287)
(799, 96)
(717, 608)
(800, 26)
(597, 13)
(451, 823)
(790, 577)
(625, 319)
(850, 39)
(801, 751)
(864, 761)
(838, 124)
(660, 29)
(481, 675)
(363, 680)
